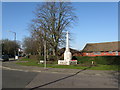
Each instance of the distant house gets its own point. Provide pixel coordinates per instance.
(73, 51)
(102, 49)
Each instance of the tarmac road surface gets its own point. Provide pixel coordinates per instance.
(16, 79)
(21, 79)
(16, 76)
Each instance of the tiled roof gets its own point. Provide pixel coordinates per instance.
(62, 50)
(106, 46)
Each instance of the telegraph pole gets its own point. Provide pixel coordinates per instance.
(15, 42)
(44, 54)
(45, 50)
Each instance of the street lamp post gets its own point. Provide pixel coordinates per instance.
(15, 42)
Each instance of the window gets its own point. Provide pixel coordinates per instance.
(97, 53)
(110, 52)
(116, 53)
(86, 53)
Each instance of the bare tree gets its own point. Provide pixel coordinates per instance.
(52, 19)
(30, 46)
(8, 47)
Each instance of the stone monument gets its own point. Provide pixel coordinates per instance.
(67, 53)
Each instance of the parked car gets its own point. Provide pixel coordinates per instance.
(4, 58)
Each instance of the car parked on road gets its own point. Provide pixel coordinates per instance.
(4, 58)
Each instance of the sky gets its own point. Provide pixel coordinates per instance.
(97, 22)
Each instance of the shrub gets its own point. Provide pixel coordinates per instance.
(60, 58)
(100, 60)
(74, 58)
(41, 57)
(33, 57)
(37, 57)
(103, 60)
(113, 60)
(108, 60)
(84, 59)
(52, 58)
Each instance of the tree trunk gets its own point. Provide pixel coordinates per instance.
(53, 51)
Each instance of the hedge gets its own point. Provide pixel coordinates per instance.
(104, 60)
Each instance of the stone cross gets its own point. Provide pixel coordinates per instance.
(67, 42)
(67, 53)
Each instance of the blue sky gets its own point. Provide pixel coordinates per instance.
(97, 21)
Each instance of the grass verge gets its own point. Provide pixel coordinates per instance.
(98, 67)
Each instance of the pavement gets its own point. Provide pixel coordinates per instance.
(12, 66)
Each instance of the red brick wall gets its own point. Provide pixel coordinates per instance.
(101, 54)
(118, 53)
(77, 54)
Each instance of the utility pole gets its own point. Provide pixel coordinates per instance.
(15, 43)
(44, 54)
(45, 42)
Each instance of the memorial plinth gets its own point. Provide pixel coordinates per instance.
(67, 53)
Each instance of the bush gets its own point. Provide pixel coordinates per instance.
(113, 60)
(52, 58)
(108, 60)
(103, 60)
(37, 57)
(41, 57)
(84, 59)
(33, 57)
(60, 58)
(74, 58)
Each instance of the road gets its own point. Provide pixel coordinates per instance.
(77, 80)
(16, 79)
(35, 80)
(17, 76)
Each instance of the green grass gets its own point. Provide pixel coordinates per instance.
(54, 65)
(105, 67)
(67, 66)
(29, 63)
(25, 59)
(99, 67)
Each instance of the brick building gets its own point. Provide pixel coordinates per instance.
(73, 51)
(102, 49)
